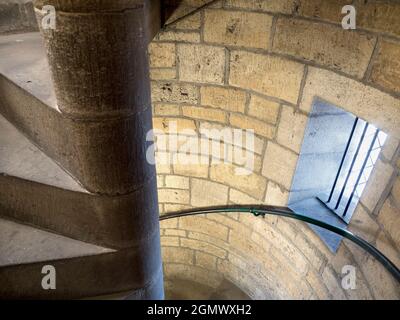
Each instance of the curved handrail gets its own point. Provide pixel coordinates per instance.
(262, 210)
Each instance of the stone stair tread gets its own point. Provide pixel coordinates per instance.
(21, 158)
(23, 61)
(23, 244)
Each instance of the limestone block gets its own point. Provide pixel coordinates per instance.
(170, 92)
(276, 6)
(331, 46)
(226, 174)
(291, 128)
(162, 55)
(263, 109)
(229, 99)
(206, 193)
(386, 66)
(237, 28)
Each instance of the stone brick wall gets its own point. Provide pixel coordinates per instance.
(258, 64)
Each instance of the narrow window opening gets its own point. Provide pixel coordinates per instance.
(337, 157)
(359, 157)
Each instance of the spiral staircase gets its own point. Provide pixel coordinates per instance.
(46, 216)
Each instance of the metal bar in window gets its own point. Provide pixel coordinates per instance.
(352, 165)
(343, 158)
(361, 172)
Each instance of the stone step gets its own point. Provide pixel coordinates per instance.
(21, 158)
(27, 96)
(81, 269)
(23, 62)
(35, 190)
(23, 244)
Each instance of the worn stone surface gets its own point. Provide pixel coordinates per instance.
(380, 176)
(163, 74)
(174, 92)
(204, 64)
(390, 147)
(238, 197)
(175, 9)
(177, 182)
(226, 174)
(379, 16)
(169, 241)
(206, 193)
(279, 164)
(396, 192)
(291, 128)
(363, 225)
(386, 67)
(380, 281)
(166, 109)
(17, 16)
(204, 247)
(269, 75)
(192, 22)
(268, 258)
(260, 127)
(333, 284)
(203, 225)
(74, 144)
(192, 166)
(180, 36)
(162, 55)
(389, 217)
(78, 277)
(263, 109)
(344, 258)
(24, 246)
(261, 90)
(173, 196)
(21, 158)
(281, 6)
(276, 195)
(108, 221)
(177, 255)
(204, 113)
(167, 123)
(229, 99)
(24, 62)
(97, 68)
(102, 100)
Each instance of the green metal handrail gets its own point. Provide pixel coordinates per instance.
(262, 210)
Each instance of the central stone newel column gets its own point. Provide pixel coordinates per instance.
(98, 58)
